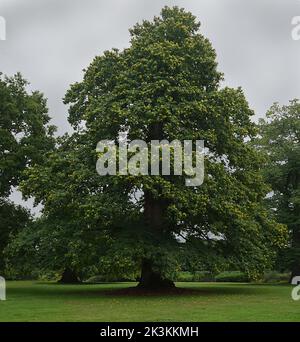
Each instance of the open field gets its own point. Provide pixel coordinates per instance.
(35, 301)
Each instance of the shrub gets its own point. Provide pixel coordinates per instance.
(232, 276)
(199, 276)
(275, 277)
(204, 276)
(108, 278)
(184, 276)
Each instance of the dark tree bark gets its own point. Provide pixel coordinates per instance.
(153, 280)
(154, 213)
(69, 277)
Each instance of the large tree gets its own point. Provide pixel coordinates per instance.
(25, 138)
(25, 135)
(13, 219)
(165, 85)
(280, 140)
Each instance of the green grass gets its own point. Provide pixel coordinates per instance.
(34, 301)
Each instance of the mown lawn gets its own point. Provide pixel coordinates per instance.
(34, 301)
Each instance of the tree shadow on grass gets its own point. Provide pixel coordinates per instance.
(207, 290)
(53, 289)
(131, 290)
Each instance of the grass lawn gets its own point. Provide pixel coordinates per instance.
(35, 301)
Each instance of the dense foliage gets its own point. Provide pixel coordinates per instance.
(165, 85)
(25, 138)
(25, 135)
(280, 140)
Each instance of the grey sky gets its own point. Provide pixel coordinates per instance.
(50, 42)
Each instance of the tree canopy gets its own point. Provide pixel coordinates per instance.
(280, 140)
(165, 85)
(25, 135)
(25, 138)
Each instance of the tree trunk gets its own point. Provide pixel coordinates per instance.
(154, 210)
(69, 277)
(154, 216)
(153, 280)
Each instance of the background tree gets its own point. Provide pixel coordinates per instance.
(13, 219)
(25, 137)
(280, 140)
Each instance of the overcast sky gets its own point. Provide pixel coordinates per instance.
(51, 41)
